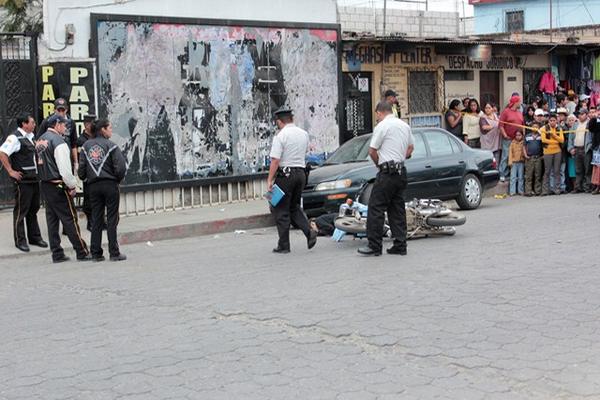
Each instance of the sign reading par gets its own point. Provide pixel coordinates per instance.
(72, 81)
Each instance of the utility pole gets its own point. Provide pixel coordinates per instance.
(550, 21)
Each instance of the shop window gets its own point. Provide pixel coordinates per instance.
(515, 21)
(422, 92)
(459, 75)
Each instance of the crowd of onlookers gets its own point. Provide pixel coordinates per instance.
(541, 151)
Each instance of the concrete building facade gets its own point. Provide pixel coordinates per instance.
(500, 16)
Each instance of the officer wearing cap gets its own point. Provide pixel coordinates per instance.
(17, 155)
(392, 98)
(70, 136)
(58, 189)
(288, 171)
(392, 143)
(88, 122)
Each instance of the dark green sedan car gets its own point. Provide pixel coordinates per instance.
(441, 167)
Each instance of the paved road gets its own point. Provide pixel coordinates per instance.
(506, 309)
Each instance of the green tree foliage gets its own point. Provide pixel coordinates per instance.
(21, 15)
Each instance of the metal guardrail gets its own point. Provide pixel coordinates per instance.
(173, 196)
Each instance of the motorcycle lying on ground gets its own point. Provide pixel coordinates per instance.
(424, 218)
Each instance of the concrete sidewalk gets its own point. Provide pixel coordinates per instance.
(159, 226)
(168, 225)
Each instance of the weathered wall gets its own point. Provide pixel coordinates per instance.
(197, 100)
(58, 13)
(408, 22)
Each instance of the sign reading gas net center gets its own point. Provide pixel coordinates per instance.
(72, 81)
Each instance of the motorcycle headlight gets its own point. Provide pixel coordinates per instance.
(331, 185)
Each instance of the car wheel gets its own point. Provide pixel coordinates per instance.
(470, 194)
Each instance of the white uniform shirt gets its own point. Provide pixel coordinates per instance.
(290, 146)
(13, 145)
(391, 139)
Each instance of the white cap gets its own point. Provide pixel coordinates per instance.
(583, 97)
(539, 111)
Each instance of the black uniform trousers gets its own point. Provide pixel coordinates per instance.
(61, 208)
(288, 209)
(87, 205)
(104, 197)
(387, 195)
(27, 204)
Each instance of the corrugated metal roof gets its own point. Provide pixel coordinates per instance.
(465, 41)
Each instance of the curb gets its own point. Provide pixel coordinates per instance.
(197, 229)
(178, 232)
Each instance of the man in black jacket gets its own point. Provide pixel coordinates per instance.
(59, 188)
(102, 166)
(17, 155)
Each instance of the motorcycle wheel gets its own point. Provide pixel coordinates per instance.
(350, 225)
(452, 219)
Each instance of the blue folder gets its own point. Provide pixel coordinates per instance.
(275, 195)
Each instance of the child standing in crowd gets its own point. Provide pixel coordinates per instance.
(552, 139)
(534, 163)
(516, 159)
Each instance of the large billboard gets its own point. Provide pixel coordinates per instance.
(475, 2)
(194, 99)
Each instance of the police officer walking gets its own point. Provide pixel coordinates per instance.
(58, 189)
(288, 171)
(392, 143)
(102, 166)
(88, 122)
(17, 155)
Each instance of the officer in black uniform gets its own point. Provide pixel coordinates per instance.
(288, 171)
(88, 121)
(391, 144)
(58, 189)
(70, 135)
(102, 166)
(17, 155)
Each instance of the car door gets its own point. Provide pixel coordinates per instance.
(447, 160)
(419, 170)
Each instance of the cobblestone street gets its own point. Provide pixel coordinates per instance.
(506, 309)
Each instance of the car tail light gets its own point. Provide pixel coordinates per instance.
(494, 163)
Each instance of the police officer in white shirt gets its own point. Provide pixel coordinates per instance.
(288, 171)
(392, 143)
(17, 155)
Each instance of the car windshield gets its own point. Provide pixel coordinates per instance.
(352, 151)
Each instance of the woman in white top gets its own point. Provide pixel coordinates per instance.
(490, 134)
(471, 130)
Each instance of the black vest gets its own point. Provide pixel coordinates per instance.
(24, 159)
(44, 146)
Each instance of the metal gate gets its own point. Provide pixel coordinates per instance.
(18, 91)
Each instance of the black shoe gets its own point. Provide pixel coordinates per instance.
(87, 257)
(281, 250)
(397, 250)
(22, 247)
(98, 259)
(39, 243)
(312, 239)
(367, 251)
(60, 259)
(120, 257)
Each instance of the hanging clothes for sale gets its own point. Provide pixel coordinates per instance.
(547, 83)
(597, 69)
